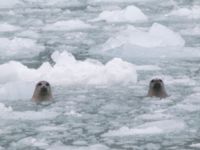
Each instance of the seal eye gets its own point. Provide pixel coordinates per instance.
(160, 80)
(152, 81)
(39, 84)
(47, 84)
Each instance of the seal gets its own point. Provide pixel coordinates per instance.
(42, 92)
(157, 89)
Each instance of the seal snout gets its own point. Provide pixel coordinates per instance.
(44, 89)
(157, 86)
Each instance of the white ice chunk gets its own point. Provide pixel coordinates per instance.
(190, 104)
(156, 127)
(155, 116)
(19, 47)
(69, 25)
(8, 3)
(125, 131)
(9, 91)
(147, 68)
(5, 27)
(56, 3)
(92, 147)
(197, 145)
(3, 108)
(193, 31)
(167, 36)
(51, 128)
(8, 114)
(187, 12)
(1, 148)
(66, 71)
(157, 36)
(29, 34)
(116, 1)
(30, 141)
(129, 14)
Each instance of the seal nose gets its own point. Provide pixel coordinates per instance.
(43, 89)
(157, 86)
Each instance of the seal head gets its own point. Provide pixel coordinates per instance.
(42, 91)
(157, 89)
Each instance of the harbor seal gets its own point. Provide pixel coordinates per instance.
(42, 92)
(157, 89)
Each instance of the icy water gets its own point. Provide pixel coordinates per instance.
(99, 56)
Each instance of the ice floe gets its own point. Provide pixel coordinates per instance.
(147, 68)
(7, 113)
(67, 70)
(190, 104)
(157, 36)
(8, 3)
(116, 1)
(30, 141)
(29, 34)
(192, 12)
(197, 145)
(92, 147)
(69, 25)
(156, 127)
(19, 47)
(70, 71)
(5, 27)
(192, 31)
(129, 14)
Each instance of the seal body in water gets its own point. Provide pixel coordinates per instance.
(42, 92)
(157, 89)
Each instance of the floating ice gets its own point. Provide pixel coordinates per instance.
(147, 68)
(197, 145)
(186, 12)
(182, 80)
(125, 131)
(30, 141)
(8, 114)
(157, 36)
(56, 3)
(51, 128)
(19, 47)
(187, 107)
(8, 91)
(5, 27)
(29, 34)
(3, 108)
(129, 14)
(190, 104)
(116, 1)
(92, 147)
(193, 31)
(8, 3)
(67, 70)
(155, 116)
(156, 127)
(69, 25)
